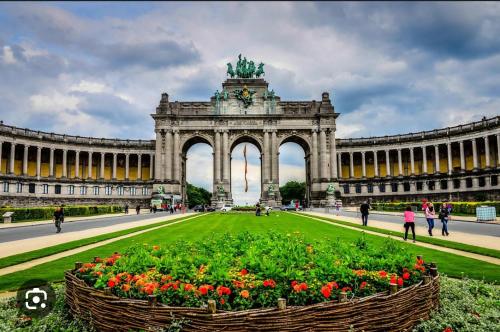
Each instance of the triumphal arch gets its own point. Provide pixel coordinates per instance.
(246, 110)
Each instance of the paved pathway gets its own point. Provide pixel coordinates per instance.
(421, 244)
(35, 262)
(24, 239)
(43, 228)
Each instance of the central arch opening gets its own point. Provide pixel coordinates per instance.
(246, 192)
(293, 172)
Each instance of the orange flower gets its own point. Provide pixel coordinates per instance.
(238, 284)
(359, 273)
(326, 291)
(125, 287)
(363, 285)
(245, 294)
(244, 272)
(188, 287)
(332, 285)
(221, 290)
(156, 247)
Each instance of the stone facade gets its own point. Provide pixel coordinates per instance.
(458, 163)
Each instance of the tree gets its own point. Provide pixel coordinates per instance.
(197, 196)
(293, 190)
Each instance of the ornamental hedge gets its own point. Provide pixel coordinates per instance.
(45, 213)
(458, 207)
(249, 271)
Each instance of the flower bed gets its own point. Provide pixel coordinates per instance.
(244, 278)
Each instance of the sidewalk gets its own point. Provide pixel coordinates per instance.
(488, 259)
(484, 241)
(25, 245)
(67, 219)
(421, 214)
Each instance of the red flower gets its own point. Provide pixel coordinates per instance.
(269, 283)
(244, 272)
(156, 247)
(303, 286)
(406, 276)
(245, 294)
(222, 301)
(205, 288)
(188, 287)
(126, 287)
(347, 289)
(221, 290)
(400, 282)
(332, 285)
(326, 291)
(111, 283)
(363, 285)
(382, 274)
(448, 329)
(393, 279)
(294, 283)
(238, 284)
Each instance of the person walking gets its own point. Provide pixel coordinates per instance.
(138, 209)
(155, 208)
(430, 215)
(126, 209)
(409, 216)
(444, 215)
(57, 218)
(364, 212)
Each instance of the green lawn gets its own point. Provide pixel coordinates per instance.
(31, 255)
(199, 228)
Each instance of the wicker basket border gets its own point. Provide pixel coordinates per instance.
(379, 312)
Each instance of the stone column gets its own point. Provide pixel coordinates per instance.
(498, 150)
(462, 158)
(90, 165)
(127, 165)
(314, 157)
(51, 162)
(151, 164)
(339, 157)
(400, 163)
(77, 164)
(333, 156)
(363, 164)
(158, 173)
(387, 163)
(474, 155)
(65, 163)
(351, 165)
(436, 152)
(225, 156)
(487, 152)
(115, 159)
(12, 158)
(323, 157)
(217, 158)
(177, 164)
(424, 159)
(25, 160)
(412, 161)
(267, 159)
(38, 161)
(375, 163)
(139, 166)
(103, 158)
(450, 160)
(275, 159)
(1, 157)
(168, 155)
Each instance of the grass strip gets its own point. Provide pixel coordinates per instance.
(44, 252)
(203, 227)
(437, 242)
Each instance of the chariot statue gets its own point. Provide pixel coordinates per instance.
(330, 190)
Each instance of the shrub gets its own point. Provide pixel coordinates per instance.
(45, 213)
(252, 271)
(465, 305)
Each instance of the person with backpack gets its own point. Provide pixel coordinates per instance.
(364, 212)
(430, 215)
(444, 215)
(57, 218)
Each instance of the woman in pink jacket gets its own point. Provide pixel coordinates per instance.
(409, 222)
(430, 215)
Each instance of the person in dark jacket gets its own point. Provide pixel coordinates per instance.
(364, 212)
(138, 209)
(444, 215)
(57, 218)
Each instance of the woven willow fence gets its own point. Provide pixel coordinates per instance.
(397, 310)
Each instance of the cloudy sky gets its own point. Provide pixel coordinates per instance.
(98, 69)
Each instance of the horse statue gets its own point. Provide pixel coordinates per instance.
(230, 70)
(260, 70)
(251, 69)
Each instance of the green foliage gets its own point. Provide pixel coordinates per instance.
(458, 207)
(46, 213)
(465, 305)
(254, 269)
(197, 196)
(292, 190)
